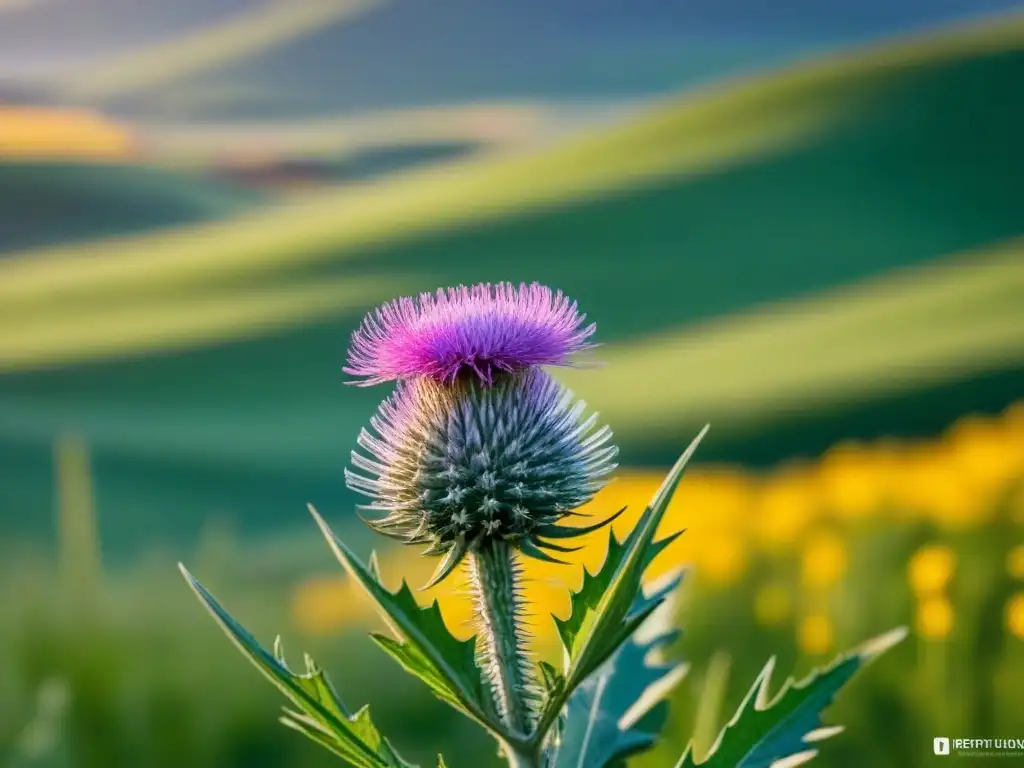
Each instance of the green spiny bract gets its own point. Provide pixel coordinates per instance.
(457, 466)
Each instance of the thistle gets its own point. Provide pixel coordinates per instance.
(481, 455)
(479, 452)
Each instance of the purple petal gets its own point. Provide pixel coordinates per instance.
(480, 330)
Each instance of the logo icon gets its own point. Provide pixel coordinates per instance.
(941, 745)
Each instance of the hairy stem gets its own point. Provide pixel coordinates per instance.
(517, 759)
(495, 581)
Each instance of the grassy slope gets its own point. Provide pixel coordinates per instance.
(43, 203)
(819, 164)
(577, 50)
(824, 177)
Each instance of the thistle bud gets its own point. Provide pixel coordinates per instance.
(459, 465)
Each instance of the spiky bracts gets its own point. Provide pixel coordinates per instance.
(458, 466)
(482, 331)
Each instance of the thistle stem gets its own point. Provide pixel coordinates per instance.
(518, 759)
(495, 582)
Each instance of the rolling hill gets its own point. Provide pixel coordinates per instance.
(825, 251)
(262, 58)
(570, 50)
(68, 201)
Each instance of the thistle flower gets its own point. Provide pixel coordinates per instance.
(459, 466)
(481, 330)
(479, 452)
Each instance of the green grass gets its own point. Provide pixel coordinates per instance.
(155, 683)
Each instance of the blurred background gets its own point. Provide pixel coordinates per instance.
(800, 221)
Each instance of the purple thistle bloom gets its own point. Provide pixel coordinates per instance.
(480, 330)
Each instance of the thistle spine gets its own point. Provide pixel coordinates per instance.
(495, 579)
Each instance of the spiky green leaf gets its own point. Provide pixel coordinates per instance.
(619, 710)
(314, 681)
(322, 716)
(606, 609)
(317, 732)
(562, 532)
(764, 731)
(550, 678)
(422, 644)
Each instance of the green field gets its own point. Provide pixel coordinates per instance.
(46, 203)
(203, 364)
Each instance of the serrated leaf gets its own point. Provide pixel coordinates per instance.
(550, 678)
(313, 731)
(619, 710)
(323, 717)
(414, 661)
(316, 732)
(764, 732)
(424, 646)
(605, 610)
(314, 681)
(585, 601)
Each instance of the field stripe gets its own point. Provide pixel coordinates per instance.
(925, 325)
(272, 24)
(697, 133)
(494, 124)
(334, 225)
(184, 322)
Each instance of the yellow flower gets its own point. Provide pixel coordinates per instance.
(324, 606)
(986, 453)
(931, 569)
(816, 634)
(785, 506)
(824, 560)
(1015, 615)
(721, 559)
(931, 484)
(852, 481)
(1015, 562)
(772, 604)
(39, 133)
(934, 618)
(715, 499)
